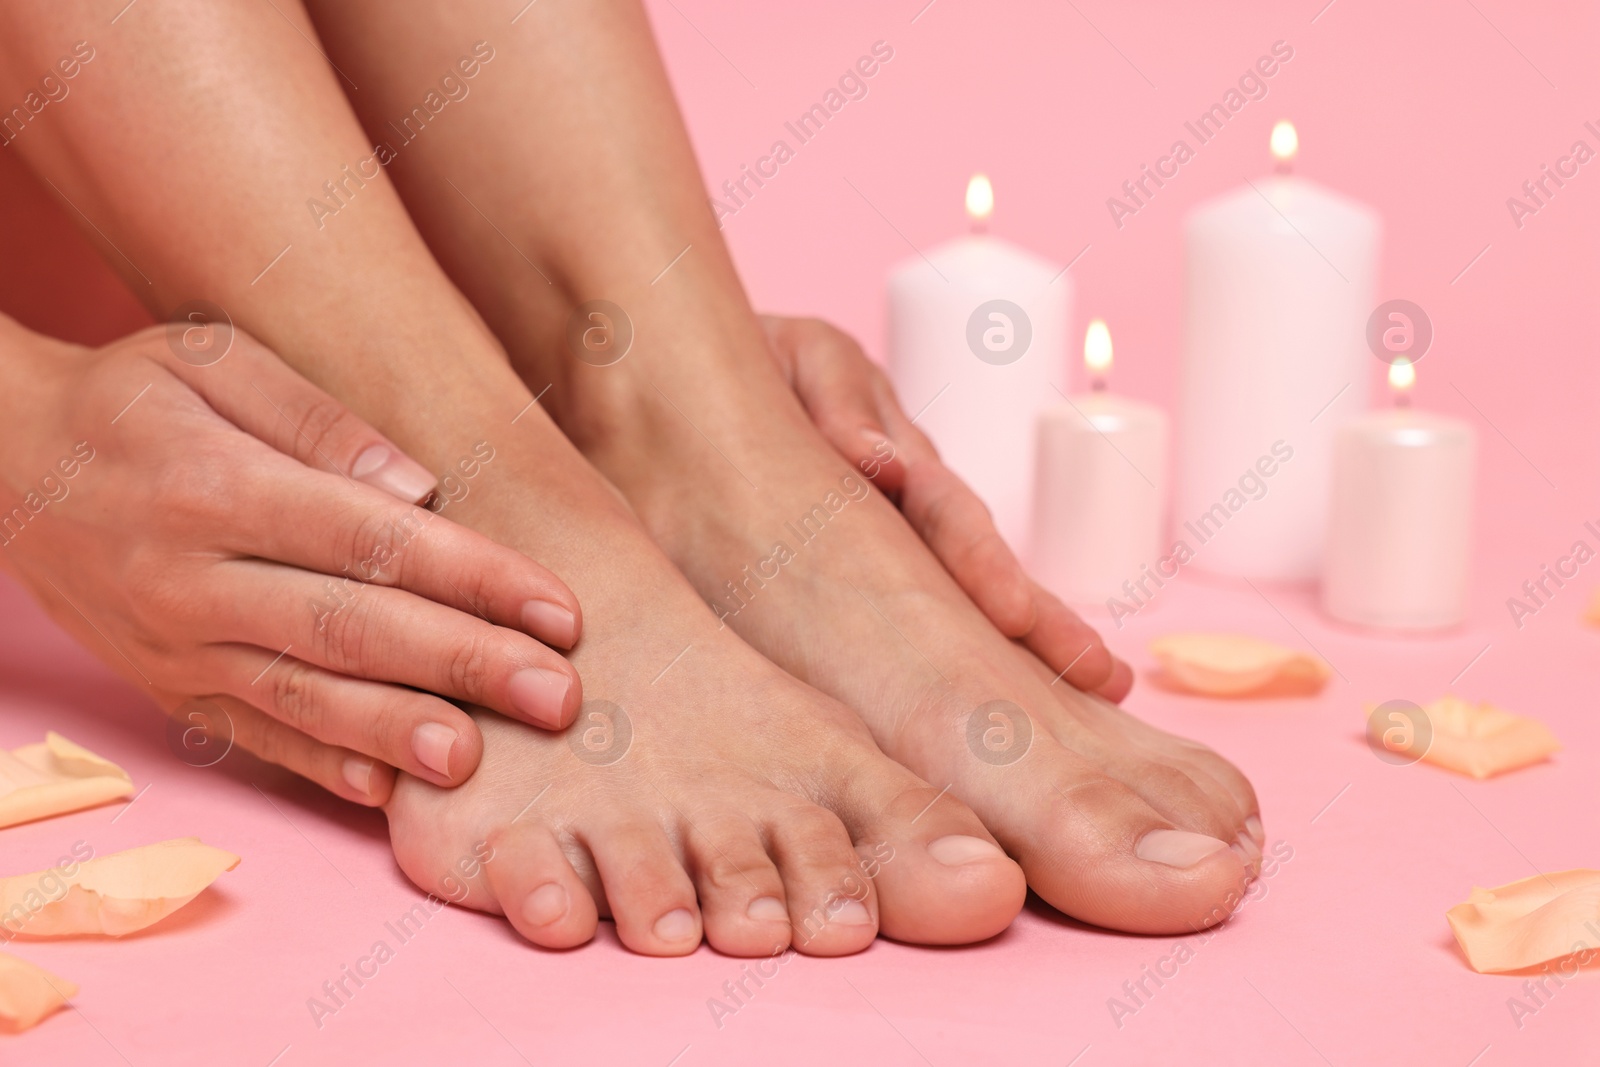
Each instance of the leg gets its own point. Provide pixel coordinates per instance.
(593, 192)
(741, 801)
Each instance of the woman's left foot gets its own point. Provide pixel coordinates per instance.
(1114, 822)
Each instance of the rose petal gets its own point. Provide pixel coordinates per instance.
(53, 778)
(1233, 665)
(29, 993)
(1481, 740)
(1535, 921)
(113, 895)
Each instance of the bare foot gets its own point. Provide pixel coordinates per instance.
(702, 790)
(1115, 822)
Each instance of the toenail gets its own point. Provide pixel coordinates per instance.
(539, 694)
(957, 849)
(432, 742)
(767, 910)
(1176, 848)
(849, 912)
(549, 622)
(358, 772)
(1252, 826)
(675, 925)
(546, 904)
(1252, 852)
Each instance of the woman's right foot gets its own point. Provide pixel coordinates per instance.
(703, 791)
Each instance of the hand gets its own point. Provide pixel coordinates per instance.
(230, 532)
(853, 404)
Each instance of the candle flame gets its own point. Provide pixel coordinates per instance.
(1097, 348)
(1402, 376)
(1285, 141)
(980, 197)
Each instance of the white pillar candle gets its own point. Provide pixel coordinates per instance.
(977, 345)
(1401, 519)
(1279, 286)
(1101, 466)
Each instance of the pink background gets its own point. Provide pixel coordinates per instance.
(1434, 114)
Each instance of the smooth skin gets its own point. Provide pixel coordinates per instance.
(533, 212)
(209, 523)
(748, 809)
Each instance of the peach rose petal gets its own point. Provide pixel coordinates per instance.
(56, 777)
(1532, 922)
(1232, 665)
(29, 993)
(1481, 740)
(117, 894)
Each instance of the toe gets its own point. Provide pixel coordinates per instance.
(650, 895)
(1094, 848)
(833, 909)
(941, 878)
(536, 887)
(741, 892)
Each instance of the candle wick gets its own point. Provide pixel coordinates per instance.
(1402, 400)
(1284, 167)
(979, 226)
(1097, 384)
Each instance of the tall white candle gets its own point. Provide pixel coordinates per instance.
(1280, 281)
(1101, 471)
(977, 344)
(1401, 519)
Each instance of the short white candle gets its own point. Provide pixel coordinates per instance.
(1101, 471)
(980, 410)
(1279, 287)
(1401, 519)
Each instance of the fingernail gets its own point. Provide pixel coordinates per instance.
(395, 473)
(676, 925)
(767, 910)
(1252, 826)
(848, 912)
(1176, 848)
(358, 772)
(875, 437)
(957, 849)
(550, 623)
(545, 905)
(432, 742)
(539, 694)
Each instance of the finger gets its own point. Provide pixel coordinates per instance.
(833, 379)
(318, 522)
(263, 396)
(390, 635)
(219, 723)
(854, 406)
(416, 732)
(955, 525)
(1072, 648)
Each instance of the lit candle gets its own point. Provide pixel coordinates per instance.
(977, 344)
(1101, 469)
(1401, 517)
(1279, 287)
